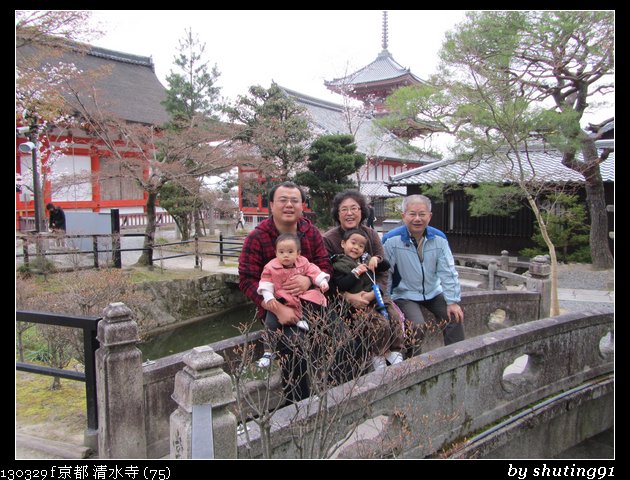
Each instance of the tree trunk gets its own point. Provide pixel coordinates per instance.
(601, 257)
(600, 251)
(146, 259)
(198, 221)
(555, 302)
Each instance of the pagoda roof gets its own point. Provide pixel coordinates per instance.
(384, 70)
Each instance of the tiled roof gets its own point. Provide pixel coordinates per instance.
(372, 140)
(610, 126)
(383, 68)
(379, 189)
(127, 83)
(603, 130)
(545, 165)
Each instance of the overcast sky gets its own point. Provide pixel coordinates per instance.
(299, 49)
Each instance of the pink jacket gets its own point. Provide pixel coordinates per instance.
(274, 275)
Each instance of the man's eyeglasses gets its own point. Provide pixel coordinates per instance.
(421, 215)
(285, 200)
(353, 209)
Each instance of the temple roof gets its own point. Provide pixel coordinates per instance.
(378, 189)
(128, 86)
(545, 165)
(383, 69)
(371, 139)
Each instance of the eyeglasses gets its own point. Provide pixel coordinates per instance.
(421, 215)
(353, 209)
(285, 200)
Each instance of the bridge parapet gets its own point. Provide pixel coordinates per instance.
(436, 398)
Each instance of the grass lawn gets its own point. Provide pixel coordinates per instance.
(55, 414)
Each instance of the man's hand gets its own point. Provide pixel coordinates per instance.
(286, 315)
(455, 311)
(297, 284)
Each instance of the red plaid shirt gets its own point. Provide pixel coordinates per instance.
(258, 249)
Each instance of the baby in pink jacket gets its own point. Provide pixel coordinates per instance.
(289, 262)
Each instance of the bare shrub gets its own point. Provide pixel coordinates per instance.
(84, 293)
(330, 361)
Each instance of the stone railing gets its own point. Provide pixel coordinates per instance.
(416, 408)
(137, 220)
(158, 380)
(493, 319)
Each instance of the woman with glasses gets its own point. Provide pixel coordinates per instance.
(350, 211)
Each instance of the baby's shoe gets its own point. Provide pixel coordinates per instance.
(378, 363)
(394, 357)
(303, 324)
(265, 360)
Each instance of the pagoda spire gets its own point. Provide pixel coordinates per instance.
(373, 83)
(384, 30)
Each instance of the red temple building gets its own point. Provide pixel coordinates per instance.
(373, 83)
(131, 91)
(129, 87)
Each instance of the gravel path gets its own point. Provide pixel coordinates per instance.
(583, 277)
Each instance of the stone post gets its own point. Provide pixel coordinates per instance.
(540, 281)
(505, 261)
(492, 270)
(120, 397)
(201, 382)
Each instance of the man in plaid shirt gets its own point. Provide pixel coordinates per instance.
(286, 203)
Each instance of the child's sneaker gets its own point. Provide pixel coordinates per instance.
(265, 360)
(394, 357)
(303, 325)
(378, 363)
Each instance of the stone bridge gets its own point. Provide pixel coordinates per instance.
(522, 385)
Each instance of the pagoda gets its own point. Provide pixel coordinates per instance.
(373, 83)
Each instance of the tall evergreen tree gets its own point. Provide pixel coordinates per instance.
(193, 102)
(332, 159)
(555, 60)
(192, 93)
(276, 126)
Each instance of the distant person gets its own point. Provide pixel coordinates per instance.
(289, 262)
(423, 271)
(57, 222)
(371, 217)
(241, 220)
(351, 273)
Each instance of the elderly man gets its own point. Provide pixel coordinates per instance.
(423, 271)
(286, 202)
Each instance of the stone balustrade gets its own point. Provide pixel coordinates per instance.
(439, 396)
